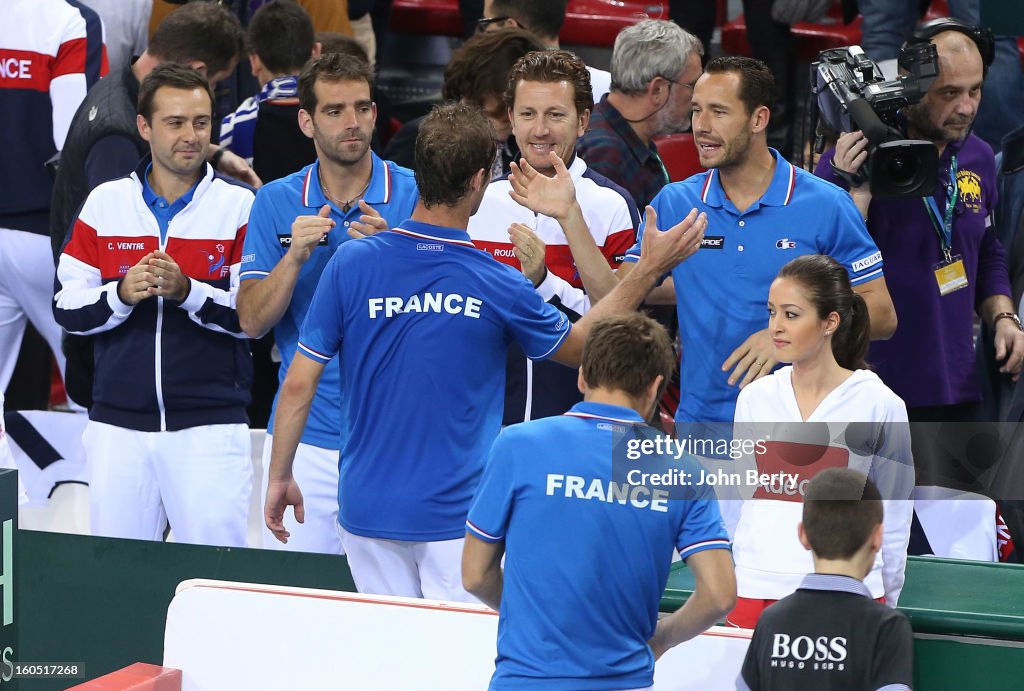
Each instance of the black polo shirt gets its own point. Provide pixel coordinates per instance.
(829, 635)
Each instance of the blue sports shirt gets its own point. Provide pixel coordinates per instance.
(722, 290)
(585, 567)
(422, 320)
(392, 192)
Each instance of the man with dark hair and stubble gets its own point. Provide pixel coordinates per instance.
(298, 222)
(830, 633)
(104, 142)
(151, 268)
(606, 630)
(762, 212)
(421, 320)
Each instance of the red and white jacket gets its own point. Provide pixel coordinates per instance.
(161, 365)
(542, 389)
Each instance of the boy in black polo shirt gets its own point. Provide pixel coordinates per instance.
(830, 635)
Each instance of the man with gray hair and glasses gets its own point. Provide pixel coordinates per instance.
(654, 66)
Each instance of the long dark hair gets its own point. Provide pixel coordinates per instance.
(828, 286)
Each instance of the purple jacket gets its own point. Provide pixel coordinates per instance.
(930, 359)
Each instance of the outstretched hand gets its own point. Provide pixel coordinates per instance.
(550, 196)
(664, 250)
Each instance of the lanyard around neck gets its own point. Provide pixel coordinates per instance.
(943, 222)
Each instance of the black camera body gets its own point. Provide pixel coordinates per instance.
(852, 94)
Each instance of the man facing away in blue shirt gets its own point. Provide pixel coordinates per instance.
(422, 320)
(587, 557)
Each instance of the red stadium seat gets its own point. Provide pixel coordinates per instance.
(679, 155)
(598, 22)
(587, 22)
(431, 17)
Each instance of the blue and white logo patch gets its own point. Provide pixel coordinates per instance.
(866, 262)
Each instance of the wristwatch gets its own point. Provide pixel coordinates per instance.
(1008, 315)
(217, 155)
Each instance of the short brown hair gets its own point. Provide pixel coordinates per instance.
(454, 142)
(552, 66)
(480, 67)
(331, 67)
(173, 76)
(202, 31)
(626, 353)
(281, 34)
(842, 507)
(756, 81)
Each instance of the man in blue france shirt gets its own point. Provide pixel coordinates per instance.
(296, 225)
(587, 558)
(422, 321)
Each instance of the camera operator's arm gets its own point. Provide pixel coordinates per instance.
(851, 153)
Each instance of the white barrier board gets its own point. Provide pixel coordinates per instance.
(226, 636)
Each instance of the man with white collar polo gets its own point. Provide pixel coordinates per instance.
(762, 212)
(298, 222)
(547, 99)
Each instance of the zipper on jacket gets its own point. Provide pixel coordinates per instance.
(158, 359)
(159, 365)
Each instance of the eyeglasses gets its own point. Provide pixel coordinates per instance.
(482, 24)
(682, 84)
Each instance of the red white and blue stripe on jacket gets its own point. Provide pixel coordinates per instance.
(162, 364)
(51, 52)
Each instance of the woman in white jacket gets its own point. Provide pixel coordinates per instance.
(826, 409)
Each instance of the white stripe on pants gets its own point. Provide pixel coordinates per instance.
(199, 479)
(26, 294)
(316, 472)
(409, 569)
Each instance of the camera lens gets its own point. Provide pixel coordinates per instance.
(901, 169)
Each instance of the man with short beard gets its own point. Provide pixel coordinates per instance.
(762, 212)
(297, 224)
(151, 268)
(940, 275)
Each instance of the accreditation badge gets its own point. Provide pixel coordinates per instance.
(951, 275)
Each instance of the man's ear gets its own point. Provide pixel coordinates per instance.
(760, 118)
(658, 90)
(306, 123)
(480, 180)
(255, 64)
(876, 537)
(802, 535)
(199, 66)
(145, 130)
(317, 50)
(584, 121)
(581, 383)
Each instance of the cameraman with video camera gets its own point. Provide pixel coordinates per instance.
(944, 261)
